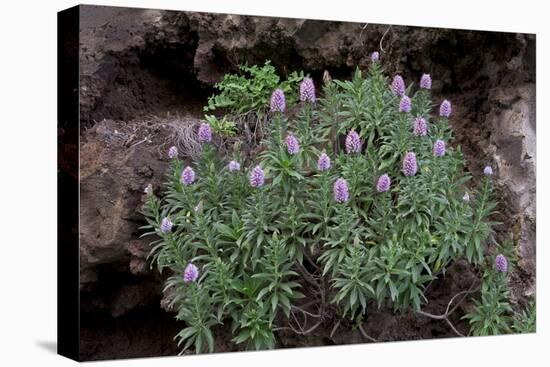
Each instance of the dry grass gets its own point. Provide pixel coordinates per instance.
(184, 135)
(252, 129)
(179, 131)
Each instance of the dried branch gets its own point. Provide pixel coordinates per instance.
(382, 39)
(336, 326)
(365, 334)
(449, 311)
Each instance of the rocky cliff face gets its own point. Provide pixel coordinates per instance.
(136, 63)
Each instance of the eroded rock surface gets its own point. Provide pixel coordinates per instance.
(137, 62)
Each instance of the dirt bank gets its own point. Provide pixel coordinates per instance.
(142, 67)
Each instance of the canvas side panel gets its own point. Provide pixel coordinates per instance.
(68, 334)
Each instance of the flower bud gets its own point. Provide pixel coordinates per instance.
(353, 142)
(420, 127)
(187, 176)
(405, 104)
(398, 85)
(323, 163)
(257, 177)
(292, 145)
(426, 81)
(501, 263)
(439, 148)
(445, 109)
(341, 191)
(205, 133)
(166, 225)
(307, 91)
(234, 166)
(191, 273)
(409, 164)
(278, 101)
(172, 152)
(383, 184)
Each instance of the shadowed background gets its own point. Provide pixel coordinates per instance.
(143, 72)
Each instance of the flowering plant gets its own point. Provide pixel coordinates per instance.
(357, 201)
(251, 89)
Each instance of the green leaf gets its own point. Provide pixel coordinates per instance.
(274, 301)
(209, 340)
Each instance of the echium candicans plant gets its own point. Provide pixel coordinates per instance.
(492, 313)
(357, 197)
(306, 129)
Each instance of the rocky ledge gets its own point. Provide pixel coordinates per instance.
(141, 70)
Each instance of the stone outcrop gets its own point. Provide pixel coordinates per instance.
(137, 62)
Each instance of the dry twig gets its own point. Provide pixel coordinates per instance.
(449, 311)
(365, 334)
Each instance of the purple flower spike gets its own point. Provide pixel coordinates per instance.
(353, 142)
(191, 273)
(278, 101)
(323, 163)
(445, 109)
(466, 197)
(405, 104)
(384, 183)
(307, 91)
(148, 189)
(205, 133)
(426, 81)
(172, 152)
(398, 85)
(187, 176)
(375, 56)
(292, 145)
(234, 166)
(439, 148)
(340, 191)
(257, 177)
(166, 225)
(409, 164)
(501, 263)
(420, 127)
(488, 171)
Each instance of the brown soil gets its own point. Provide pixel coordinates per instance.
(141, 69)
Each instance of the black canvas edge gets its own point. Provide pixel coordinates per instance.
(68, 293)
(68, 190)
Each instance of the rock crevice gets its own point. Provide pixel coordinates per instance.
(136, 63)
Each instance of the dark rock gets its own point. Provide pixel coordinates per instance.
(137, 62)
